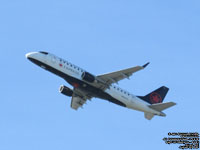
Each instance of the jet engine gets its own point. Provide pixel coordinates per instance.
(88, 77)
(65, 90)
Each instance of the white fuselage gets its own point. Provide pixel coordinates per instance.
(131, 101)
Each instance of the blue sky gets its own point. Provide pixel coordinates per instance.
(99, 36)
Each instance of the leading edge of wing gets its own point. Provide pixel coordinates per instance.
(114, 77)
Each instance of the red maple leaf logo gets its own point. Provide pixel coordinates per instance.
(155, 98)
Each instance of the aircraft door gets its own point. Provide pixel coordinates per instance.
(45, 58)
(53, 59)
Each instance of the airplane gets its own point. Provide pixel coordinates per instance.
(86, 85)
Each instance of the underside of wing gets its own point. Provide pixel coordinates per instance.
(114, 77)
(77, 102)
(79, 98)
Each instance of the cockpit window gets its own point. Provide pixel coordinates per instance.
(44, 52)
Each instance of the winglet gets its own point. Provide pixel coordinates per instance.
(146, 64)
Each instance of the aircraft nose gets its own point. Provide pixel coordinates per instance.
(30, 55)
(27, 55)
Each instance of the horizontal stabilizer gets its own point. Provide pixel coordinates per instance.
(162, 106)
(148, 116)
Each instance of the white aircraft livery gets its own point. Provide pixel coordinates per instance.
(86, 85)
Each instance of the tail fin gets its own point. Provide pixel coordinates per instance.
(156, 96)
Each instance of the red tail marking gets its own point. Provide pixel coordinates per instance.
(155, 98)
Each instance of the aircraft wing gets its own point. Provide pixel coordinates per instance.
(114, 77)
(79, 98)
(77, 101)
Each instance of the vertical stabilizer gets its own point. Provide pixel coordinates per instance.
(156, 96)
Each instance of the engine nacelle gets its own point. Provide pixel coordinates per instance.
(65, 90)
(88, 77)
